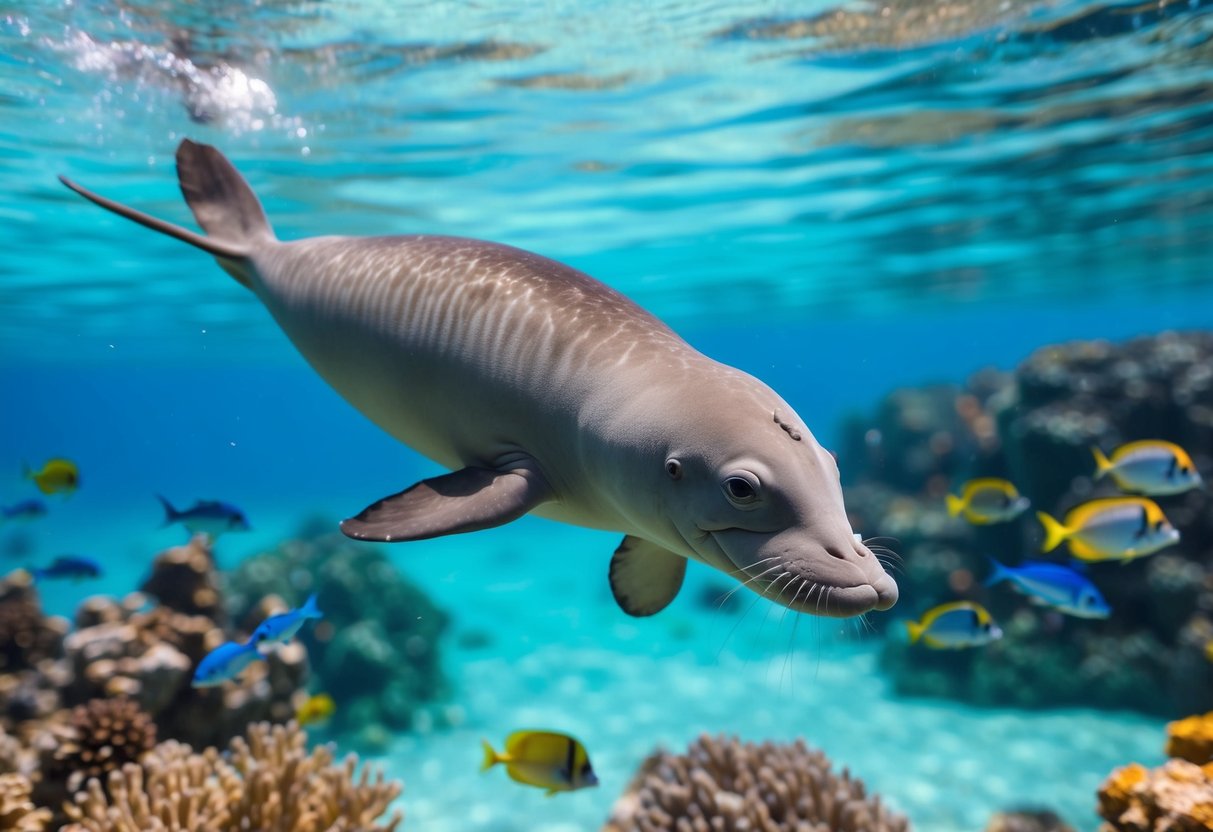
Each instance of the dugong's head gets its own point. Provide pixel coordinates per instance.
(752, 493)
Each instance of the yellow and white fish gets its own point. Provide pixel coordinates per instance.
(1111, 528)
(56, 476)
(1150, 466)
(545, 759)
(954, 626)
(987, 500)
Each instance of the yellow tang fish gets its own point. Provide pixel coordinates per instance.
(1150, 466)
(551, 761)
(1111, 528)
(57, 475)
(987, 500)
(316, 708)
(955, 625)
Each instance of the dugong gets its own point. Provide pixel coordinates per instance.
(545, 392)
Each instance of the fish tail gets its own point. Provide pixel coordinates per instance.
(1000, 573)
(171, 515)
(1102, 464)
(1055, 532)
(490, 756)
(309, 608)
(222, 202)
(955, 505)
(915, 630)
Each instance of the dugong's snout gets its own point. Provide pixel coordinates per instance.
(835, 580)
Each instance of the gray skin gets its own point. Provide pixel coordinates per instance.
(550, 393)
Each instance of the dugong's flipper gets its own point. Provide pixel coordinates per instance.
(645, 577)
(463, 501)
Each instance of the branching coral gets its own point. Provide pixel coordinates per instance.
(268, 783)
(724, 785)
(17, 812)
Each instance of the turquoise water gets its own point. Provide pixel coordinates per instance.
(836, 214)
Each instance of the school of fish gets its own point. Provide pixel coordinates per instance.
(1115, 529)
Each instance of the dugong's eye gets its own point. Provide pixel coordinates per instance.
(674, 468)
(740, 490)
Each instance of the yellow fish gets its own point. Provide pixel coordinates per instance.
(1209, 649)
(955, 625)
(57, 475)
(987, 500)
(1112, 528)
(1150, 466)
(551, 761)
(317, 708)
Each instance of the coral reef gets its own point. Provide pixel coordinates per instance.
(728, 786)
(1036, 427)
(1028, 820)
(376, 649)
(17, 811)
(268, 782)
(100, 737)
(26, 635)
(148, 653)
(1176, 797)
(1191, 739)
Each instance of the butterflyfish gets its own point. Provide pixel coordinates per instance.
(1149, 466)
(57, 476)
(545, 759)
(987, 500)
(954, 626)
(1111, 528)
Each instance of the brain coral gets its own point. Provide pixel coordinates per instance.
(724, 785)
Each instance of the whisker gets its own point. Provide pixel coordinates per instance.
(729, 594)
(757, 596)
(792, 639)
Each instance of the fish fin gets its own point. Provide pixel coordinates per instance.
(170, 514)
(491, 757)
(1055, 532)
(644, 576)
(550, 793)
(1102, 464)
(955, 505)
(1000, 573)
(915, 629)
(309, 608)
(462, 501)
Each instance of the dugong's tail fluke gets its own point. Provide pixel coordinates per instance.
(223, 203)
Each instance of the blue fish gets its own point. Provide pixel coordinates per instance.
(24, 510)
(1054, 585)
(209, 517)
(281, 628)
(225, 663)
(68, 566)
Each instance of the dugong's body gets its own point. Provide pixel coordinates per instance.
(546, 392)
